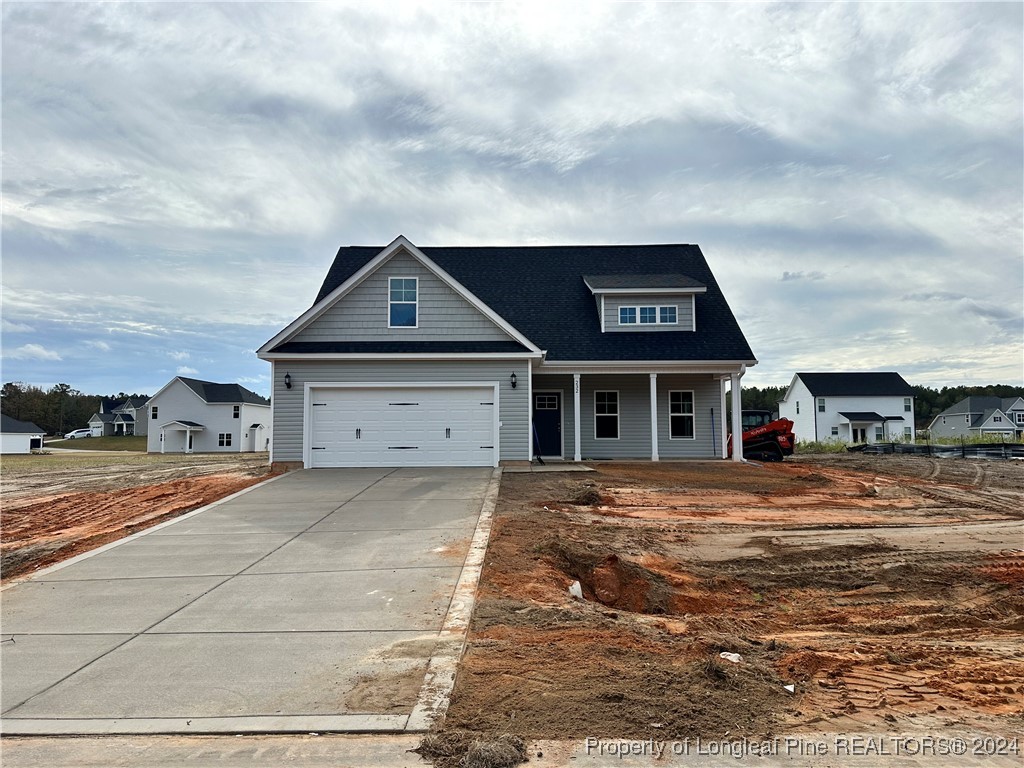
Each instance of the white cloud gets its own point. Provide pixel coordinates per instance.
(33, 352)
(102, 346)
(10, 326)
(178, 355)
(184, 370)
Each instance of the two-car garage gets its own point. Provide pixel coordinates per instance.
(385, 425)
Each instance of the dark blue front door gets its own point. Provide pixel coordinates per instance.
(547, 420)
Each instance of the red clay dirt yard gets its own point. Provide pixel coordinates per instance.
(887, 591)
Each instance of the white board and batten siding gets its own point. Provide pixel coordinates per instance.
(446, 390)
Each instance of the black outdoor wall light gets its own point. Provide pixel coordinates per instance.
(513, 380)
(287, 381)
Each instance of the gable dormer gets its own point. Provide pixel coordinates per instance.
(664, 302)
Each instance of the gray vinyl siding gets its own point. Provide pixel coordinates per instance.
(682, 302)
(362, 314)
(634, 417)
(288, 403)
(564, 383)
(707, 417)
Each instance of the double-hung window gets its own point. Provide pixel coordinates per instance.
(821, 405)
(606, 415)
(907, 405)
(402, 302)
(680, 415)
(155, 411)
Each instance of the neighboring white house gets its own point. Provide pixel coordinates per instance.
(976, 416)
(120, 417)
(189, 415)
(19, 436)
(850, 407)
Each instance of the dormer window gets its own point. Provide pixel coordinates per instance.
(650, 315)
(402, 302)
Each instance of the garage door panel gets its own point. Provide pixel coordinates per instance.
(402, 426)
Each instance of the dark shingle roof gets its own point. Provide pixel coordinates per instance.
(886, 383)
(223, 393)
(12, 426)
(613, 282)
(102, 417)
(862, 415)
(400, 347)
(540, 291)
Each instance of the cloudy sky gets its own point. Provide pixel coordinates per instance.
(177, 178)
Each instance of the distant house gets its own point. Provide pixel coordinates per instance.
(850, 407)
(189, 415)
(977, 416)
(120, 417)
(19, 436)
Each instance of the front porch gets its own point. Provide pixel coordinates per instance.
(650, 415)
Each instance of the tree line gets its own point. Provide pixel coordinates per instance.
(56, 410)
(928, 402)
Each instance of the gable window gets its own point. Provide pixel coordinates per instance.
(821, 405)
(667, 315)
(997, 418)
(606, 415)
(402, 302)
(648, 315)
(680, 415)
(224, 439)
(627, 315)
(154, 412)
(234, 411)
(943, 419)
(907, 405)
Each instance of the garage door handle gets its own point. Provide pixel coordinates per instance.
(359, 434)
(448, 433)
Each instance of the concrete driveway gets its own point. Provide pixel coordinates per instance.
(323, 600)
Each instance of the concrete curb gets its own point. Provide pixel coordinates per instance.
(440, 678)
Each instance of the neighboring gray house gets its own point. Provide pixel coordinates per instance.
(868, 407)
(189, 415)
(18, 436)
(976, 416)
(476, 355)
(120, 417)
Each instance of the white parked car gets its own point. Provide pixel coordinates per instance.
(78, 433)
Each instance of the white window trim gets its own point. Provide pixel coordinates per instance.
(657, 313)
(415, 304)
(821, 405)
(908, 405)
(693, 415)
(618, 414)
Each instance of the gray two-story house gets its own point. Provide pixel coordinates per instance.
(981, 415)
(480, 355)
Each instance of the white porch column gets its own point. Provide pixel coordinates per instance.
(737, 418)
(724, 437)
(654, 417)
(163, 440)
(577, 456)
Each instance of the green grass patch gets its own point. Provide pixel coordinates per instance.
(820, 446)
(18, 465)
(112, 443)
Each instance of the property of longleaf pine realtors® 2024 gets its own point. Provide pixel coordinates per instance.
(840, 746)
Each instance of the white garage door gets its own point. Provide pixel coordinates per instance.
(403, 426)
